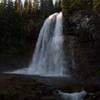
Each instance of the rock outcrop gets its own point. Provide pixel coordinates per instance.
(82, 37)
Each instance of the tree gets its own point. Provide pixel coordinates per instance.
(57, 5)
(96, 7)
(18, 6)
(30, 6)
(47, 7)
(71, 6)
(3, 5)
(86, 6)
(10, 4)
(26, 6)
(4, 1)
(35, 5)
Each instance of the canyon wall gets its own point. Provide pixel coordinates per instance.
(82, 36)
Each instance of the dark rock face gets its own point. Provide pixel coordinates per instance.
(82, 38)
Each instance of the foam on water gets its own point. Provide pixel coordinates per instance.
(73, 96)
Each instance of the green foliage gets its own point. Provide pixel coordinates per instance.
(58, 6)
(26, 6)
(35, 5)
(96, 7)
(87, 6)
(47, 7)
(20, 25)
(70, 5)
(18, 6)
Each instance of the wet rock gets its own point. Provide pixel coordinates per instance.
(19, 87)
(83, 51)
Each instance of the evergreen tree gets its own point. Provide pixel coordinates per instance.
(57, 6)
(50, 5)
(26, 6)
(30, 6)
(96, 7)
(71, 6)
(86, 6)
(10, 4)
(47, 7)
(4, 2)
(3, 5)
(18, 6)
(46, 4)
(35, 5)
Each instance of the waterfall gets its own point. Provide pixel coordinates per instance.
(48, 58)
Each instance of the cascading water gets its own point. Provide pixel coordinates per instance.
(48, 58)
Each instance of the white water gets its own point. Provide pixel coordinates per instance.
(48, 58)
(73, 96)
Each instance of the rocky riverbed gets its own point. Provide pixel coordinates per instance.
(19, 87)
(23, 87)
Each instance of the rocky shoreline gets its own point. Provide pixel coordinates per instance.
(20, 87)
(23, 87)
